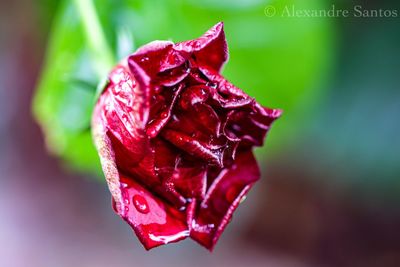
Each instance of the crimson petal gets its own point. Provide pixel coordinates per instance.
(154, 222)
(223, 197)
(175, 140)
(210, 50)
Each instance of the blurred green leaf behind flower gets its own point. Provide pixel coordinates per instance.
(280, 61)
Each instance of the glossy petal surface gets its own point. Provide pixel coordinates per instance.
(175, 140)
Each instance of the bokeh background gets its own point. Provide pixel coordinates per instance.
(330, 188)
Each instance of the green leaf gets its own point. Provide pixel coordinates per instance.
(64, 99)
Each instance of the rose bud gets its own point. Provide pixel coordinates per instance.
(175, 140)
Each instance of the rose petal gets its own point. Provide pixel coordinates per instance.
(156, 124)
(175, 140)
(154, 222)
(193, 147)
(150, 56)
(180, 171)
(210, 50)
(222, 198)
(191, 182)
(250, 126)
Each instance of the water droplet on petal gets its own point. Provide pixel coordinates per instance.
(212, 85)
(183, 208)
(231, 194)
(164, 114)
(140, 204)
(143, 59)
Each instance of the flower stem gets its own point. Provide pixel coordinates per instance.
(101, 54)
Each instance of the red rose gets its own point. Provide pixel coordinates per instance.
(175, 140)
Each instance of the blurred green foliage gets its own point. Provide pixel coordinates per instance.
(278, 60)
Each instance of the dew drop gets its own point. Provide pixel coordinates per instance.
(143, 59)
(140, 204)
(175, 118)
(151, 132)
(183, 208)
(231, 194)
(164, 114)
(212, 85)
